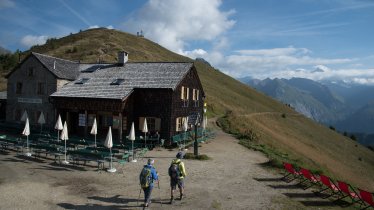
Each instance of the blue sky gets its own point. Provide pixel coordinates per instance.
(316, 39)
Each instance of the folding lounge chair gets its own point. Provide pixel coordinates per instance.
(290, 171)
(308, 176)
(329, 185)
(366, 197)
(348, 190)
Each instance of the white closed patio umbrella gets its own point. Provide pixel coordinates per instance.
(58, 126)
(185, 128)
(94, 129)
(41, 121)
(65, 137)
(109, 144)
(26, 132)
(132, 138)
(145, 131)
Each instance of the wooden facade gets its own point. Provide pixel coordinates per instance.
(163, 93)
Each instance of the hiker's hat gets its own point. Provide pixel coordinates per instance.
(151, 161)
(179, 155)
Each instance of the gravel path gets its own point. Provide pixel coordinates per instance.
(232, 179)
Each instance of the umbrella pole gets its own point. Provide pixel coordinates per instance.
(95, 140)
(133, 157)
(184, 140)
(145, 138)
(65, 151)
(65, 162)
(58, 135)
(111, 164)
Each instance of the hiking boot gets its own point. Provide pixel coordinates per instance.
(171, 200)
(181, 197)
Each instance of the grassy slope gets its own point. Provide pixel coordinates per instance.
(292, 136)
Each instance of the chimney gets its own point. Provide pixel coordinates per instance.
(123, 57)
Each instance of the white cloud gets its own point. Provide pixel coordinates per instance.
(268, 62)
(275, 51)
(94, 26)
(171, 23)
(30, 40)
(6, 4)
(97, 26)
(197, 53)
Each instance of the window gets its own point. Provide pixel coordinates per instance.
(153, 123)
(124, 123)
(40, 88)
(17, 115)
(185, 93)
(179, 123)
(31, 72)
(182, 93)
(91, 118)
(178, 126)
(195, 94)
(105, 120)
(117, 82)
(19, 88)
(82, 81)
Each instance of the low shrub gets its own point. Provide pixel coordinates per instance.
(191, 156)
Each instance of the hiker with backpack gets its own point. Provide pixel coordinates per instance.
(147, 176)
(177, 173)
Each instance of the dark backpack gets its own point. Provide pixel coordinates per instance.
(174, 171)
(145, 177)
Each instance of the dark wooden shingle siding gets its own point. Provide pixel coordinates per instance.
(191, 81)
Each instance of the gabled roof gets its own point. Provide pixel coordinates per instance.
(63, 69)
(135, 75)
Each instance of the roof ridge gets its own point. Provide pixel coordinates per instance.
(48, 56)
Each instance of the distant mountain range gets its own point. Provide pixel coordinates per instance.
(348, 107)
(4, 51)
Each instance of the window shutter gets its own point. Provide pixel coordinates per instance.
(188, 93)
(197, 94)
(177, 124)
(182, 93)
(141, 122)
(193, 95)
(158, 124)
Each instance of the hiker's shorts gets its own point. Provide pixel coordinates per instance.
(175, 182)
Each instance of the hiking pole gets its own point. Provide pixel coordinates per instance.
(159, 191)
(137, 202)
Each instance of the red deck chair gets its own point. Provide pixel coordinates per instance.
(348, 190)
(308, 176)
(330, 185)
(290, 171)
(366, 197)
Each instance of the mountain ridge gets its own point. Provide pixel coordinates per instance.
(242, 109)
